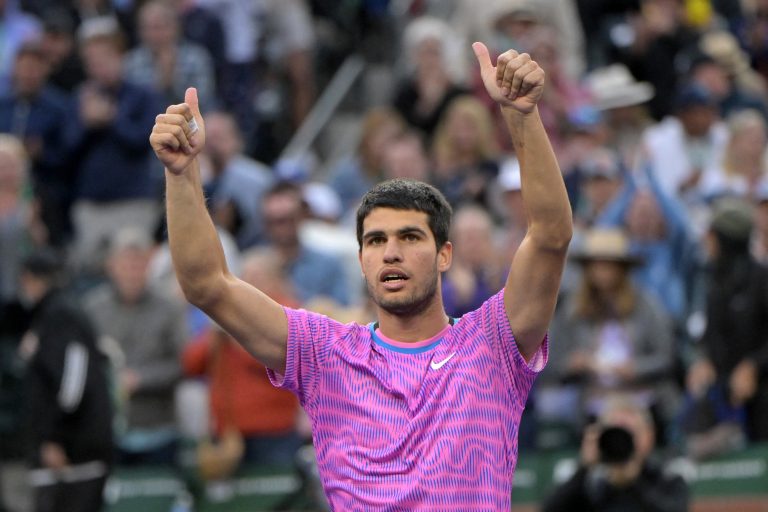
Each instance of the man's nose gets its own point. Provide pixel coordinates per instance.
(392, 252)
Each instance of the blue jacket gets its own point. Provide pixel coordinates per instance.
(115, 162)
(42, 118)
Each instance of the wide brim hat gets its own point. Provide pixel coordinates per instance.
(724, 48)
(605, 244)
(614, 87)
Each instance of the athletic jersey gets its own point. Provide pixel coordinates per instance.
(412, 426)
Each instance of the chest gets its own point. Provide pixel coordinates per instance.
(399, 409)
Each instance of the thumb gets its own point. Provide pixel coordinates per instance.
(483, 57)
(190, 98)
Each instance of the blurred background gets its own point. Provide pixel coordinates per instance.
(656, 394)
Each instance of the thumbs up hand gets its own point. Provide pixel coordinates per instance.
(515, 81)
(179, 134)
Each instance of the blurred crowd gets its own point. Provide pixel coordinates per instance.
(657, 110)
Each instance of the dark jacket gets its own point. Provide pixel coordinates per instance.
(43, 119)
(654, 491)
(68, 393)
(114, 162)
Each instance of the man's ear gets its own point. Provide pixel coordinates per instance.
(445, 257)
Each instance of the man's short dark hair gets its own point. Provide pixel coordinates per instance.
(44, 263)
(405, 194)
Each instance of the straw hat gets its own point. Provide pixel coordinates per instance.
(614, 86)
(723, 47)
(605, 244)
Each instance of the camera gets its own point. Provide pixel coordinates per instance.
(615, 445)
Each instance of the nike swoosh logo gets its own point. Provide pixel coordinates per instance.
(437, 366)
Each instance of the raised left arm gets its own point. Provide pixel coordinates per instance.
(516, 82)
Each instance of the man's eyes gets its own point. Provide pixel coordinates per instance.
(407, 237)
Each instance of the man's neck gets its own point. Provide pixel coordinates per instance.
(410, 329)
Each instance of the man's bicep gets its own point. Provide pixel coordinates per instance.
(256, 321)
(531, 294)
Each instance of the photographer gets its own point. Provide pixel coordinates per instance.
(615, 472)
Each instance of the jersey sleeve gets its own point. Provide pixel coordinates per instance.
(310, 338)
(520, 372)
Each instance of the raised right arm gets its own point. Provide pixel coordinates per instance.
(250, 316)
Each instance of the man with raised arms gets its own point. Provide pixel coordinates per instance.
(417, 411)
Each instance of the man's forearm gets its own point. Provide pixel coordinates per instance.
(195, 247)
(544, 195)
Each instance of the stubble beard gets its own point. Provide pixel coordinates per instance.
(414, 304)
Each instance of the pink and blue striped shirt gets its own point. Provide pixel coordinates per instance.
(412, 426)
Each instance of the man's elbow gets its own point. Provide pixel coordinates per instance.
(553, 237)
(202, 292)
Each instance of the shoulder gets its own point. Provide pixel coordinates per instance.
(302, 322)
(319, 258)
(245, 168)
(98, 297)
(137, 55)
(194, 52)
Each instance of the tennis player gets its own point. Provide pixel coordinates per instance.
(417, 411)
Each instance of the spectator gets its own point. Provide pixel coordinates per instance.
(623, 102)
(620, 339)
(36, 114)
(356, 173)
(60, 48)
(759, 245)
(267, 80)
(564, 93)
(323, 230)
(476, 271)
(20, 232)
(601, 178)
(20, 227)
(465, 151)
(288, 51)
(241, 394)
(743, 164)
(120, 15)
(616, 470)
(107, 130)
(681, 146)
(164, 61)
(406, 157)
(733, 351)
(506, 21)
(18, 28)
(753, 37)
(429, 86)
(660, 234)
(201, 26)
(312, 273)
(509, 203)
(150, 329)
(68, 396)
(236, 183)
(659, 34)
(723, 69)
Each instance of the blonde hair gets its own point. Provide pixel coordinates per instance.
(11, 145)
(444, 149)
(375, 120)
(739, 122)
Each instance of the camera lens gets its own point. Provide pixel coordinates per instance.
(615, 445)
